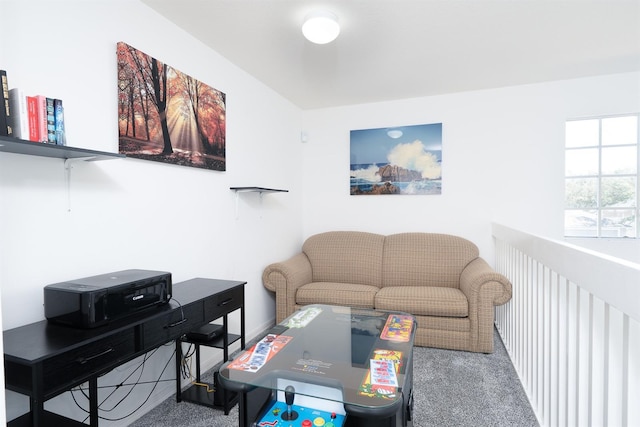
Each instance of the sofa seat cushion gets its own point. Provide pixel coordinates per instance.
(345, 294)
(423, 300)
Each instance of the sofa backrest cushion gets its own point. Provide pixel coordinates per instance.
(425, 259)
(345, 257)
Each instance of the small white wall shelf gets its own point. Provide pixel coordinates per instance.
(260, 190)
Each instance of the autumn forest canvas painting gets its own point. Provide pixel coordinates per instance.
(167, 116)
(398, 160)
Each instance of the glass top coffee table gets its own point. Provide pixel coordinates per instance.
(327, 366)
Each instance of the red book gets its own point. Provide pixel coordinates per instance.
(34, 118)
(42, 118)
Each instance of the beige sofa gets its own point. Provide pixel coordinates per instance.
(438, 278)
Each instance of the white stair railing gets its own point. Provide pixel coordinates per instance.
(572, 330)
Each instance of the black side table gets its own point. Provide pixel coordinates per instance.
(212, 394)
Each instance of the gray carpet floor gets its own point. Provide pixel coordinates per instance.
(451, 388)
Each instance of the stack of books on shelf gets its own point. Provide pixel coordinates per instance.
(32, 118)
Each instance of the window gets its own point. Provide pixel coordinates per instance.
(601, 177)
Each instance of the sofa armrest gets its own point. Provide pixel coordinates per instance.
(484, 289)
(284, 278)
(478, 277)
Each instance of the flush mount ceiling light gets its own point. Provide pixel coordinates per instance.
(394, 133)
(321, 27)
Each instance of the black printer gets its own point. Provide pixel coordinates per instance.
(93, 301)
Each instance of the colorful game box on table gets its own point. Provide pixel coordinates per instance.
(382, 380)
(258, 355)
(398, 328)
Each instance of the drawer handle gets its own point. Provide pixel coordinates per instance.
(174, 324)
(225, 302)
(83, 360)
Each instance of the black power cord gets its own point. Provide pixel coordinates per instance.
(133, 385)
(185, 369)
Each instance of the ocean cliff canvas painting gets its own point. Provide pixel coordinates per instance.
(398, 160)
(168, 116)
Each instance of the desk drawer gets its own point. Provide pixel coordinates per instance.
(173, 325)
(77, 365)
(224, 303)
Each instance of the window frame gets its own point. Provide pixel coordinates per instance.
(599, 176)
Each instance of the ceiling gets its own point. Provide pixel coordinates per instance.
(396, 49)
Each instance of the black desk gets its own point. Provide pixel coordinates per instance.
(44, 360)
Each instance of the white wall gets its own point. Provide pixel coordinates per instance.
(133, 213)
(502, 159)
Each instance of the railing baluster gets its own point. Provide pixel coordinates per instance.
(579, 360)
(625, 371)
(605, 368)
(568, 328)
